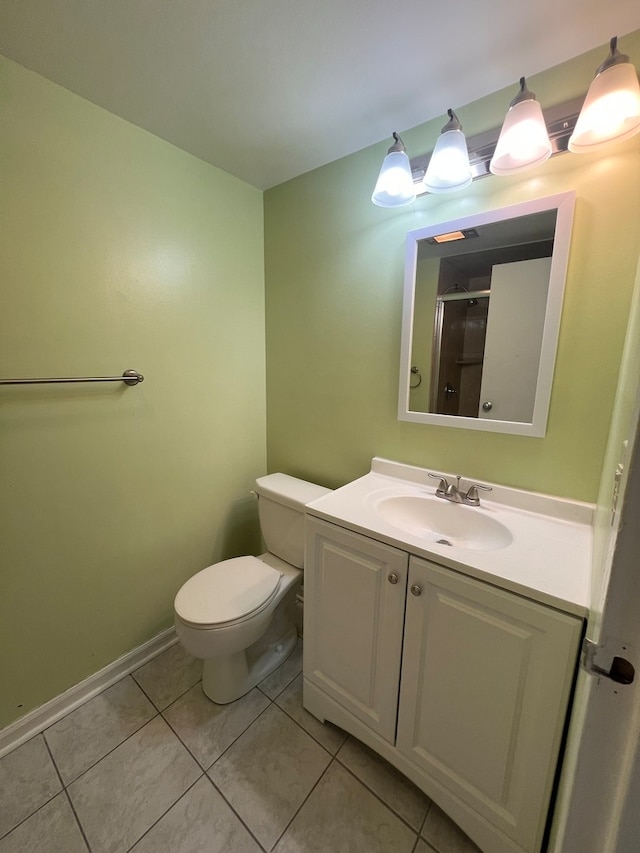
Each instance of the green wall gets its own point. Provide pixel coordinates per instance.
(117, 251)
(334, 275)
(427, 274)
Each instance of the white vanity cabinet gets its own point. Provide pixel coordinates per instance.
(460, 684)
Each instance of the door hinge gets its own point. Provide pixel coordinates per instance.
(617, 480)
(621, 670)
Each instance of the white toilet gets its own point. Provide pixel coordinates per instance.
(239, 615)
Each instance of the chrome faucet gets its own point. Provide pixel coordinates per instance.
(452, 492)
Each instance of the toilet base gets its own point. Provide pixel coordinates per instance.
(227, 678)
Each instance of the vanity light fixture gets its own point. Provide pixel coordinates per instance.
(448, 167)
(611, 110)
(524, 139)
(394, 187)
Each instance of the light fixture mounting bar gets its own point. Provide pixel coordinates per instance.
(560, 121)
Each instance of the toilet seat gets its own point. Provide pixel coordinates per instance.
(227, 592)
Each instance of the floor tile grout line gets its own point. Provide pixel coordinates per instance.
(280, 692)
(49, 799)
(272, 703)
(53, 761)
(302, 728)
(205, 770)
(82, 705)
(155, 704)
(302, 804)
(65, 787)
(291, 717)
(246, 826)
(77, 818)
(424, 822)
(165, 812)
(113, 749)
(141, 688)
(177, 699)
(183, 744)
(311, 735)
(227, 748)
(378, 797)
(156, 713)
(429, 847)
(31, 814)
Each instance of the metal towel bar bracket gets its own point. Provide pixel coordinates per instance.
(129, 377)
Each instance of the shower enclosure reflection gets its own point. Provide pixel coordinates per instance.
(486, 343)
(459, 340)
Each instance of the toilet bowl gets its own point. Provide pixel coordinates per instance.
(238, 615)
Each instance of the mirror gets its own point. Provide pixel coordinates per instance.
(482, 304)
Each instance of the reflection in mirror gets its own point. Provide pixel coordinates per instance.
(482, 369)
(483, 297)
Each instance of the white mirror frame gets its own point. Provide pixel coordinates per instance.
(564, 204)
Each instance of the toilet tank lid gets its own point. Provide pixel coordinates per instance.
(289, 491)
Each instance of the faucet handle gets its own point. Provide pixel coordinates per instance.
(472, 496)
(442, 486)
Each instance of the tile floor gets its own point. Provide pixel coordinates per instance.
(151, 766)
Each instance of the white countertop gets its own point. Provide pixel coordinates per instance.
(548, 559)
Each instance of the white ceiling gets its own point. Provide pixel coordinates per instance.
(269, 89)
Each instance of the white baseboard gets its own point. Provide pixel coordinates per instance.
(41, 718)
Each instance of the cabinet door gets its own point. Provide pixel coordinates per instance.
(354, 597)
(486, 681)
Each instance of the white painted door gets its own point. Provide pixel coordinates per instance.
(485, 686)
(515, 325)
(355, 592)
(603, 812)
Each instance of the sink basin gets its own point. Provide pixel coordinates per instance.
(443, 522)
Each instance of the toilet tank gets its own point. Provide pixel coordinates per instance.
(281, 502)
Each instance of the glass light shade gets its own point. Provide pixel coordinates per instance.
(524, 140)
(448, 167)
(611, 111)
(394, 187)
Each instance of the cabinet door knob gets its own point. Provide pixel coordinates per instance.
(415, 589)
(393, 578)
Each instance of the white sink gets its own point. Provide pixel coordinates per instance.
(536, 545)
(443, 522)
